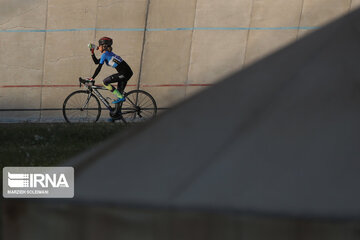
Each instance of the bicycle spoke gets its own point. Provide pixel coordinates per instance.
(142, 100)
(128, 112)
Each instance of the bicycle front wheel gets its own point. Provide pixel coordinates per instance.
(81, 106)
(139, 106)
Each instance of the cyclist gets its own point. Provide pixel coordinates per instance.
(115, 61)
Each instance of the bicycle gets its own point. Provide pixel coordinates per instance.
(84, 105)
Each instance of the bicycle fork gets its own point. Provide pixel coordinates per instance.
(86, 102)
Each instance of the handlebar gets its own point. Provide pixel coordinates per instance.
(86, 82)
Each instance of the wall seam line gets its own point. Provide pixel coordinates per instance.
(143, 44)
(248, 34)
(96, 21)
(44, 56)
(300, 18)
(191, 48)
(96, 18)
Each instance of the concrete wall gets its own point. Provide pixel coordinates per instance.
(188, 45)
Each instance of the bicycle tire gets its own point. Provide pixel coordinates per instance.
(73, 111)
(139, 106)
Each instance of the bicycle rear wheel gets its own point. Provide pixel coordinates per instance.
(139, 106)
(81, 106)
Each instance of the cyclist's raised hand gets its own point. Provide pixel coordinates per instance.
(92, 47)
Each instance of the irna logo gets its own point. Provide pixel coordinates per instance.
(38, 182)
(16, 180)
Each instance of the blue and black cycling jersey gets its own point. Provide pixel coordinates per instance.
(112, 60)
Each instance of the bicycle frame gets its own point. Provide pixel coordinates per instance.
(94, 90)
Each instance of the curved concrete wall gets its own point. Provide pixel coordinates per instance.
(187, 46)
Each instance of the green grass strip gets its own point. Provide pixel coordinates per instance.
(29, 144)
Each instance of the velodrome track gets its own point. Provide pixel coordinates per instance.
(176, 48)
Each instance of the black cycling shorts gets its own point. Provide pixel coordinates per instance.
(122, 77)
